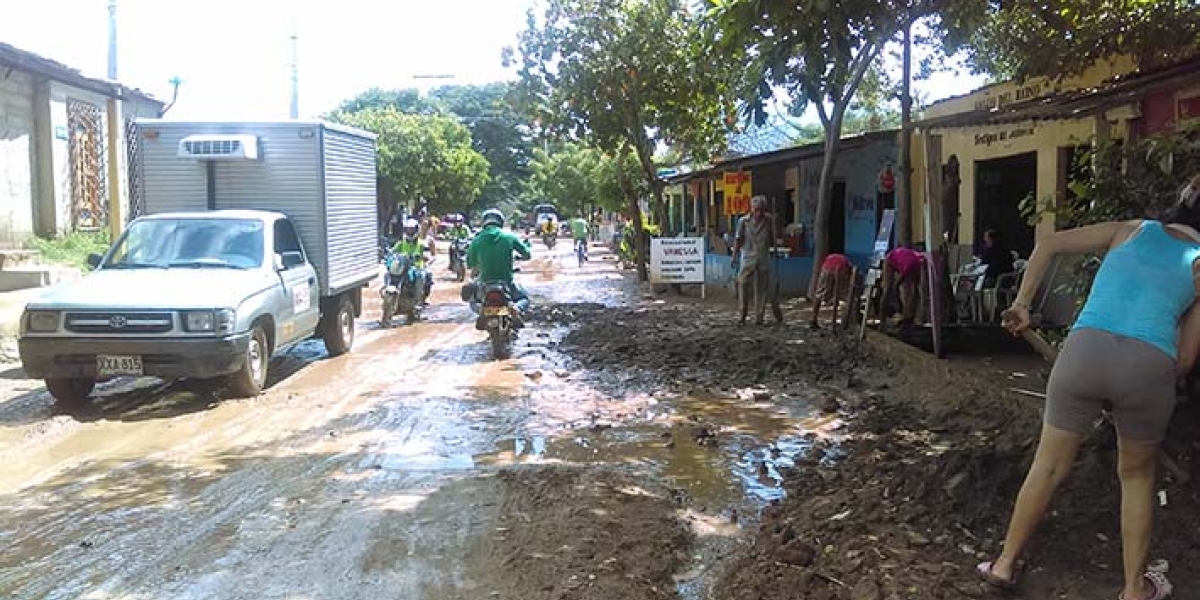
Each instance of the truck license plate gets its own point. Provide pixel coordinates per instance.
(108, 366)
(495, 311)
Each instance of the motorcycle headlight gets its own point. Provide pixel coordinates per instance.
(41, 321)
(208, 321)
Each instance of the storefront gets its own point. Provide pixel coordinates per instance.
(863, 188)
(1004, 156)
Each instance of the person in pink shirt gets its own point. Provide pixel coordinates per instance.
(903, 268)
(835, 279)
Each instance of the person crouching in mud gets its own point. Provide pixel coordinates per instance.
(752, 247)
(1122, 349)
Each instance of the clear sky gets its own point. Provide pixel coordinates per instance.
(234, 55)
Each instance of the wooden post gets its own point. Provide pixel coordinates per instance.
(116, 208)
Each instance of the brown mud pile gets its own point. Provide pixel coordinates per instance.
(679, 346)
(583, 534)
(921, 490)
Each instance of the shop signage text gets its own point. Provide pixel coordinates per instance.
(738, 188)
(677, 260)
(992, 137)
(1020, 94)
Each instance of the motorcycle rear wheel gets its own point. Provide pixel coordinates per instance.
(501, 344)
(389, 310)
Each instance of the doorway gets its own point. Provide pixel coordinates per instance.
(837, 218)
(1000, 187)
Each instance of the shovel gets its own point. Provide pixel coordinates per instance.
(1050, 353)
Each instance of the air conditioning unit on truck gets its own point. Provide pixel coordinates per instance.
(256, 237)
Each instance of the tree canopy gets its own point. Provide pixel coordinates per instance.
(575, 177)
(1025, 39)
(628, 76)
(424, 157)
(498, 131)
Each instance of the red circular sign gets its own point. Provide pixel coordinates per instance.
(887, 180)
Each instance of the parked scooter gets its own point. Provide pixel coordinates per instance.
(403, 289)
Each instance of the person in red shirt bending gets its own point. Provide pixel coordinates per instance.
(835, 280)
(903, 268)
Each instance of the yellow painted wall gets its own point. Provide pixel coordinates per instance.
(973, 144)
(1008, 92)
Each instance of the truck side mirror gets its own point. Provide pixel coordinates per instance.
(94, 260)
(288, 260)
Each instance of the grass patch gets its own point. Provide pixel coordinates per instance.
(71, 249)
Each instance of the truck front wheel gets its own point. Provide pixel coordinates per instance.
(252, 377)
(338, 331)
(71, 392)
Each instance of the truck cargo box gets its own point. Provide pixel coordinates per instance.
(320, 175)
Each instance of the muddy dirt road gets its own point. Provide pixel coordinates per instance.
(413, 467)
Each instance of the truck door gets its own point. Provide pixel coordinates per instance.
(302, 309)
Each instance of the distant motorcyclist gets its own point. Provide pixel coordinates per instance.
(458, 231)
(412, 246)
(579, 232)
(490, 255)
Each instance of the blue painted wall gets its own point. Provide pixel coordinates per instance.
(860, 169)
(793, 274)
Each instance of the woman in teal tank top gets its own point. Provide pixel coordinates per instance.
(1124, 349)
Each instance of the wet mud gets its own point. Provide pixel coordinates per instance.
(415, 467)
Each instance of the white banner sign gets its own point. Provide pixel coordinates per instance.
(677, 260)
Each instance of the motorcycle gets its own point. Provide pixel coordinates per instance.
(403, 290)
(549, 239)
(499, 314)
(458, 258)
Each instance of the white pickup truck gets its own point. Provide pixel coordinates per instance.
(265, 239)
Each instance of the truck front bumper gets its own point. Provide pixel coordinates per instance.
(70, 357)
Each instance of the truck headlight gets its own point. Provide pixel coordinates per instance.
(41, 321)
(208, 321)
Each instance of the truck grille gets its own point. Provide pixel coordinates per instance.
(119, 323)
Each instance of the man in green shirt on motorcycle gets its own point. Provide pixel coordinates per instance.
(491, 255)
(412, 246)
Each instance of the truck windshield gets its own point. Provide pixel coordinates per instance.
(195, 243)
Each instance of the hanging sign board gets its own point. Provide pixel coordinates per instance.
(738, 189)
(677, 260)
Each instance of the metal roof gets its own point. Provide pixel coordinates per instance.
(1076, 104)
(13, 58)
(784, 155)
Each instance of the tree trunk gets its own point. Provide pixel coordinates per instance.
(903, 176)
(641, 252)
(833, 138)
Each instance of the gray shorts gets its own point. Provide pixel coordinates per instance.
(1096, 366)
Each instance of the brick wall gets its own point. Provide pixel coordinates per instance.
(16, 158)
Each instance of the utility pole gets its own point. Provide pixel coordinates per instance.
(112, 40)
(903, 189)
(294, 112)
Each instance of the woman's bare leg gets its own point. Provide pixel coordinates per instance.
(1136, 466)
(1055, 455)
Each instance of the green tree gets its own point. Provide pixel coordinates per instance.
(498, 131)
(1025, 39)
(629, 77)
(819, 52)
(578, 178)
(423, 157)
(409, 101)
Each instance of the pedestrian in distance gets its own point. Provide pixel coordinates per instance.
(833, 284)
(752, 261)
(903, 271)
(1127, 347)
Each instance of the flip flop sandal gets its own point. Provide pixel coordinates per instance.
(1158, 583)
(984, 570)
